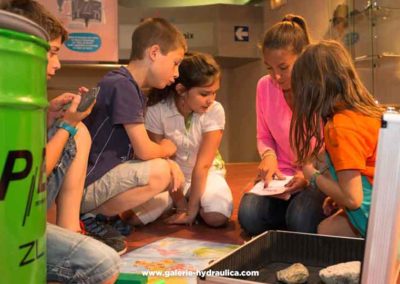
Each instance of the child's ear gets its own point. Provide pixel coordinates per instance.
(180, 89)
(153, 51)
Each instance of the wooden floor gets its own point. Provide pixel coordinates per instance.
(239, 176)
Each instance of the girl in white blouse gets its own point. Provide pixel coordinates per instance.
(186, 113)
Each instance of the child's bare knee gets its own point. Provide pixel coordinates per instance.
(323, 228)
(160, 174)
(214, 219)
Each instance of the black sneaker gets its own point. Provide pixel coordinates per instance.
(116, 222)
(103, 232)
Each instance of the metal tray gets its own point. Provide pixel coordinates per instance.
(276, 250)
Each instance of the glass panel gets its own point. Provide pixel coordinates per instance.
(370, 31)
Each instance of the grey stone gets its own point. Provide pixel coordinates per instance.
(296, 273)
(342, 273)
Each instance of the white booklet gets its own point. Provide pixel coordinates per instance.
(274, 187)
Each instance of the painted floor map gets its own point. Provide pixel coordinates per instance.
(172, 256)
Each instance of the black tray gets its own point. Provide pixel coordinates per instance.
(276, 250)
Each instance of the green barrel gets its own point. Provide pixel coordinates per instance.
(23, 63)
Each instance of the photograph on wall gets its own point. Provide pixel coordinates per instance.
(92, 26)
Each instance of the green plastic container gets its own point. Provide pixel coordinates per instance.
(128, 278)
(23, 49)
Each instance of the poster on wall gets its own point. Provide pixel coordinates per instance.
(92, 26)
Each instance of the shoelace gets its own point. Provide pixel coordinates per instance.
(116, 222)
(92, 226)
(82, 225)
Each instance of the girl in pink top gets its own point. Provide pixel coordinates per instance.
(282, 44)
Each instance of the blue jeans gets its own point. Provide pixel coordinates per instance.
(56, 177)
(301, 213)
(75, 258)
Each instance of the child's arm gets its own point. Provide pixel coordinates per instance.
(205, 157)
(177, 175)
(346, 192)
(266, 146)
(144, 148)
(56, 144)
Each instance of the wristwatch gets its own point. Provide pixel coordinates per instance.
(313, 179)
(71, 130)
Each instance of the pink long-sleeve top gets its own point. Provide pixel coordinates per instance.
(273, 124)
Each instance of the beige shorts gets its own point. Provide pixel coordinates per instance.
(123, 177)
(217, 197)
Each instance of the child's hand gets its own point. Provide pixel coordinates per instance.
(329, 206)
(168, 147)
(72, 116)
(185, 217)
(297, 183)
(55, 109)
(82, 90)
(177, 177)
(181, 218)
(268, 169)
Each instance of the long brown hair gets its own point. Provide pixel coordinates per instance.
(291, 33)
(195, 70)
(324, 82)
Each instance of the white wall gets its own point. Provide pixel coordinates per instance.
(316, 13)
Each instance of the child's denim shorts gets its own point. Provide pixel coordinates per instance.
(56, 178)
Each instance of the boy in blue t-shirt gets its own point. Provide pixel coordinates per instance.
(123, 170)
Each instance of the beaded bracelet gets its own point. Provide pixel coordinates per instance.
(313, 179)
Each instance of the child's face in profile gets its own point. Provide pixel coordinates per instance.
(53, 63)
(199, 99)
(165, 68)
(279, 63)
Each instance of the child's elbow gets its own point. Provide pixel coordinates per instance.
(142, 155)
(353, 204)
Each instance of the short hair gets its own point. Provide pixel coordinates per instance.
(37, 13)
(156, 31)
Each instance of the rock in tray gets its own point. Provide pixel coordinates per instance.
(346, 272)
(296, 273)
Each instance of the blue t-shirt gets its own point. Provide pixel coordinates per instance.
(119, 102)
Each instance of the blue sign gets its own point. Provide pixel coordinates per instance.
(241, 33)
(83, 42)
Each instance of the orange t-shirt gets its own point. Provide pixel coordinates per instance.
(351, 139)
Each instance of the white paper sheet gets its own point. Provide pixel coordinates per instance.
(274, 187)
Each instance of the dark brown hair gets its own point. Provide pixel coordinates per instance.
(195, 70)
(156, 31)
(291, 33)
(324, 82)
(39, 14)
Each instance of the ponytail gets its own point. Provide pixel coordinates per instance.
(291, 32)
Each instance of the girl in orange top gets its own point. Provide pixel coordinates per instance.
(333, 106)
